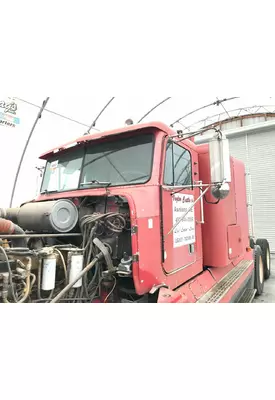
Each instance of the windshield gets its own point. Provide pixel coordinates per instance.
(118, 162)
(63, 173)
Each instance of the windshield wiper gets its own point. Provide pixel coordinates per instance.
(49, 191)
(96, 182)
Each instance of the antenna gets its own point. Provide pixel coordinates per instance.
(99, 115)
(216, 103)
(153, 109)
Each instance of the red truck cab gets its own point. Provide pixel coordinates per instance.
(179, 214)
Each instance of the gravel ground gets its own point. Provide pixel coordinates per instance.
(269, 291)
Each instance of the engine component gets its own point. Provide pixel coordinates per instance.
(22, 275)
(84, 271)
(4, 267)
(76, 262)
(8, 227)
(124, 268)
(59, 216)
(10, 214)
(104, 250)
(49, 272)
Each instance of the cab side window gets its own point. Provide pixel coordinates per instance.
(178, 166)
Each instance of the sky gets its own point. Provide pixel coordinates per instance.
(196, 50)
(53, 130)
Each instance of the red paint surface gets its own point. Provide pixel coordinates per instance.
(226, 224)
(168, 296)
(235, 244)
(6, 227)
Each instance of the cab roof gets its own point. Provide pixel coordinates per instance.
(102, 135)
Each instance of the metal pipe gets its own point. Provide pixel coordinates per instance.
(39, 278)
(55, 113)
(236, 132)
(63, 264)
(28, 282)
(202, 205)
(9, 279)
(41, 235)
(216, 103)
(84, 272)
(99, 115)
(154, 108)
(26, 146)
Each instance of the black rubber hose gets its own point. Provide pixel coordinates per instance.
(84, 272)
(22, 242)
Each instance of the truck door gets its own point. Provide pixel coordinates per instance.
(181, 247)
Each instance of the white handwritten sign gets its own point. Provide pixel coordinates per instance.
(8, 113)
(185, 232)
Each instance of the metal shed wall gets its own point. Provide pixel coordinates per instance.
(239, 150)
(261, 150)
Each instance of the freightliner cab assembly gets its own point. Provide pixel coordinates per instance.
(138, 214)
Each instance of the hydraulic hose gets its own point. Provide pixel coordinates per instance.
(84, 271)
(2, 250)
(63, 263)
(27, 289)
(28, 282)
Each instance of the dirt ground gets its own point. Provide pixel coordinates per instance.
(269, 291)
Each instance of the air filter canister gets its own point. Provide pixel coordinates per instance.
(59, 216)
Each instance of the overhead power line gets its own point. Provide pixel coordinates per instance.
(55, 113)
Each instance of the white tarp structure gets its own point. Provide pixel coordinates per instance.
(53, 129)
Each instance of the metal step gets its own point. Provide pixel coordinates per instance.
(248, 296)
(216, 294)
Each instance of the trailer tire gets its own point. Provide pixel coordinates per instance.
(264, 245)
(259, 270)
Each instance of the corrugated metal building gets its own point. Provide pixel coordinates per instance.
(252, 140)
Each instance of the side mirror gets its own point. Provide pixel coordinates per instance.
(220, 166)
